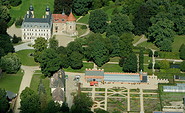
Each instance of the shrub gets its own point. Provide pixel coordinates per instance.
(156, 54)
(150, 53)
(150, 66)
(18, 22)
(182, 66)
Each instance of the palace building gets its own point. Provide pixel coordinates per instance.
(49, 25)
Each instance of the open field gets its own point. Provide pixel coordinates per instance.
(39, 8)
(111, 68)
(35, 83)
(11, 82)
(178, 41)
(25, 57)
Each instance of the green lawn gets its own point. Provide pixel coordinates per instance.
(84, 19)
(178, 41)
(147, 59)
(81, 29)
(136, 39)
(149, 71)
(39, 8)
(25, 58)
(148, 45)
(82, 70)
(169, 55)
(111, 68)
(11, 82)
(115, 59)
(35, 83)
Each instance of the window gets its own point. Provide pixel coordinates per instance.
(70, 27)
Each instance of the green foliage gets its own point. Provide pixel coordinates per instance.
(3, 27)
(16, 39)
(39, 46)
(141, 60)
(4, 104)
(74, 46)
(120, 24)
(99, 3)
(98, 21)
(18, 22)
(29, 101)
(126, 46)
(60, 5)
(156, 66)
(162, 34)
(15, 3)
(53, 43)
(76, 60)
(181, 47)
(182, 52)
(100, 111)
(4, 14)
(6, 44)
(115, 44)
(1, 52)
(130, 64)
(50, 62)
(182, 66)
(10, 63)
(150, 66)
(150, 53)
(52, 107)
(81, 7)
(164, 64)
(156, 54)
(78, 107)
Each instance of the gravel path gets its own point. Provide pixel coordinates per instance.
(26, 80)
(22, 46)
(13, 30)
(143, 39)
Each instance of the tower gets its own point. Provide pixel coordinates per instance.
(47, 10)
(31, 10)
(71, 24)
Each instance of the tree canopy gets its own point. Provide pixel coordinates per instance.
(4, 104)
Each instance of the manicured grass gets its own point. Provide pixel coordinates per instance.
(136, 39)
(82, 70)
(84, 19)
(115, 59)
(149, 71)
(169, 55)
(25, 57)
(111, 68)
(148, 45)
(178, 41)
(147, 59)
(81, 29)
(39, 8)
(46, 82)
(11, 82)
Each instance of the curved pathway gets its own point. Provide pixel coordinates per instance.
(88, 30)
(22, 46)
(26, 80)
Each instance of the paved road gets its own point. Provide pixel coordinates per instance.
(13, 30)
(22, 46)
(26, 80)
(143, 39)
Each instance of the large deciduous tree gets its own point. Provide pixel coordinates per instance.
(6, 44)
(81, 7)
(115, 45)
(76, 60)
(120, 23)
(4, 105)
(53, 43)
(62, 5)
(98, 21)
(29, 101)
(39, 46)
(78, 107)
(50, 62)
(162, 34)
(10, 63)
(130, 64)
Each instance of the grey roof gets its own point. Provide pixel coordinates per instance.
(58, 94)
(56, 81)
(165, 112)
(94, 73)
(10, 95)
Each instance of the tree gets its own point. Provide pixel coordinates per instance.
(62, 5)
(10, 63)
(52, 107)
(29, 101)
(98, 21)
(81, 7)
(39, 46)
(100, 111)
(182, 66)
(181, 47)
(4, 14)
(62, 50)
(65, 107)
(18, 22)
(1, 52)
(182, 52)
(164, 64)
(156, 66)
(126, 46)
(162, 34)
(16, 39)
(74, 46)
(4, 104)
(150, 65)
(156, 54)
(130, 64)
(50, 62)
(15, 3)
(150, 54)
(6, 44)
(115, 44)
(78, 107)
(141, 60)
(53, 43)
(42, 95)
(120, 24)
(3, 27)
(76, 60)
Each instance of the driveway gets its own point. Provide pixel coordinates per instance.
(22, 46)
(14, 31)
